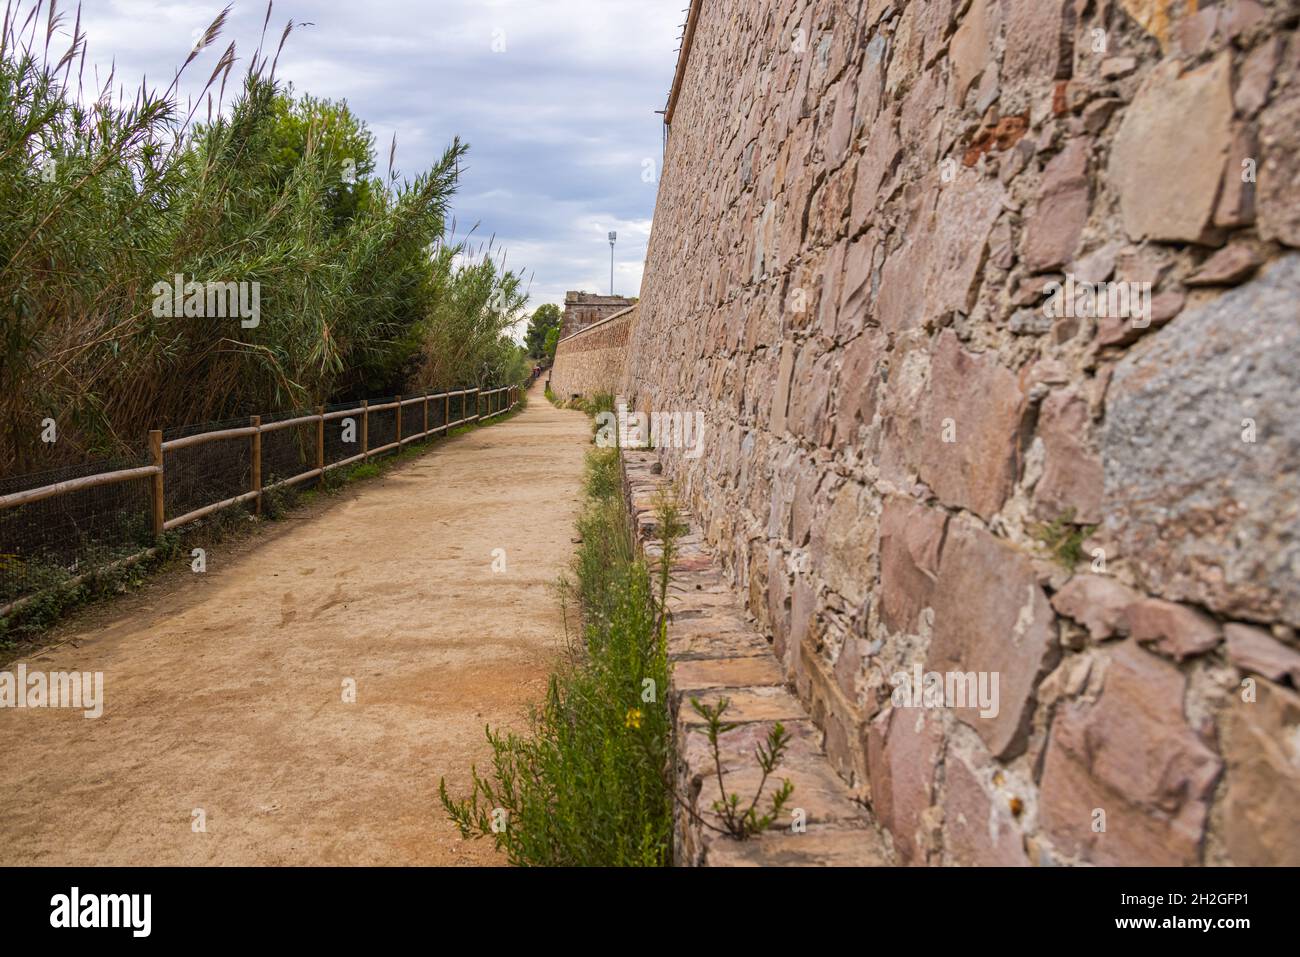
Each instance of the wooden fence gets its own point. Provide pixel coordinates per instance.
(412, 412)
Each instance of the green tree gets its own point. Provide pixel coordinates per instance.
(552, 340)
(545, 318)
(306, 125)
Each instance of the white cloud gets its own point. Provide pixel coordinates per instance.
(559, 124)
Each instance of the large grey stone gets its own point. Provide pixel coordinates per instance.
(1204, 515)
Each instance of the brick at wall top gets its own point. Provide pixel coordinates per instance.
(582, 309)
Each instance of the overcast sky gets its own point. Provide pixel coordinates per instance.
(556, 98)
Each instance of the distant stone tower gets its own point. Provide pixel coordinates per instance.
(581, 309)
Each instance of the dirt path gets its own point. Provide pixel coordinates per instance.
(224, 690)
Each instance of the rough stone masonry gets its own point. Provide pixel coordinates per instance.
(592, 360)
(924, 457)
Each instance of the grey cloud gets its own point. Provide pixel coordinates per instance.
(559, 123)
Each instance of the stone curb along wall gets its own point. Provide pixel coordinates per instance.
(715, 653)
(912, 463)
(593, 359)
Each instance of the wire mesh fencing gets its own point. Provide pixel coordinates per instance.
(288, 450)
(53, 540)
(342, 433)
(210, 471)
(383, 424)
(61, 524)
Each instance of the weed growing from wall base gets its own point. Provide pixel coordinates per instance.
(747, 823)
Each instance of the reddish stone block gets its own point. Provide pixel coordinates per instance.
(1131, 756)
(969, 450)
(991, 616)
(911, 536)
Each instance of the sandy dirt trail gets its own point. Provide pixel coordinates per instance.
(224, 690)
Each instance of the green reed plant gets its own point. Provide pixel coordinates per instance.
(364, 289)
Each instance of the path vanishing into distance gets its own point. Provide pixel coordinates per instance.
(224, 691)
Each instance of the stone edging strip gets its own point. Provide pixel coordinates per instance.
(714, 652)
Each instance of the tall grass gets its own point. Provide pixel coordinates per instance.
(364, 289)
(586, 784)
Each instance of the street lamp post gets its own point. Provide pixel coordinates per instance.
(612, 238)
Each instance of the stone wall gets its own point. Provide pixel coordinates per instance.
(917, 462)
(593, 360)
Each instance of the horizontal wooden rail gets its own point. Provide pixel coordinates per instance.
(75, 485)
(207, 510)
(342, 413)
(301, 477)
(200, 437)
(19, 603)
(342, 462)
(289, 423)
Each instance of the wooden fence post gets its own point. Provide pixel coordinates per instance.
(365, 429)
(156, 453)
(446, 413)
(320, 439)
(399, 423)
(255, 485)
(426, 414)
